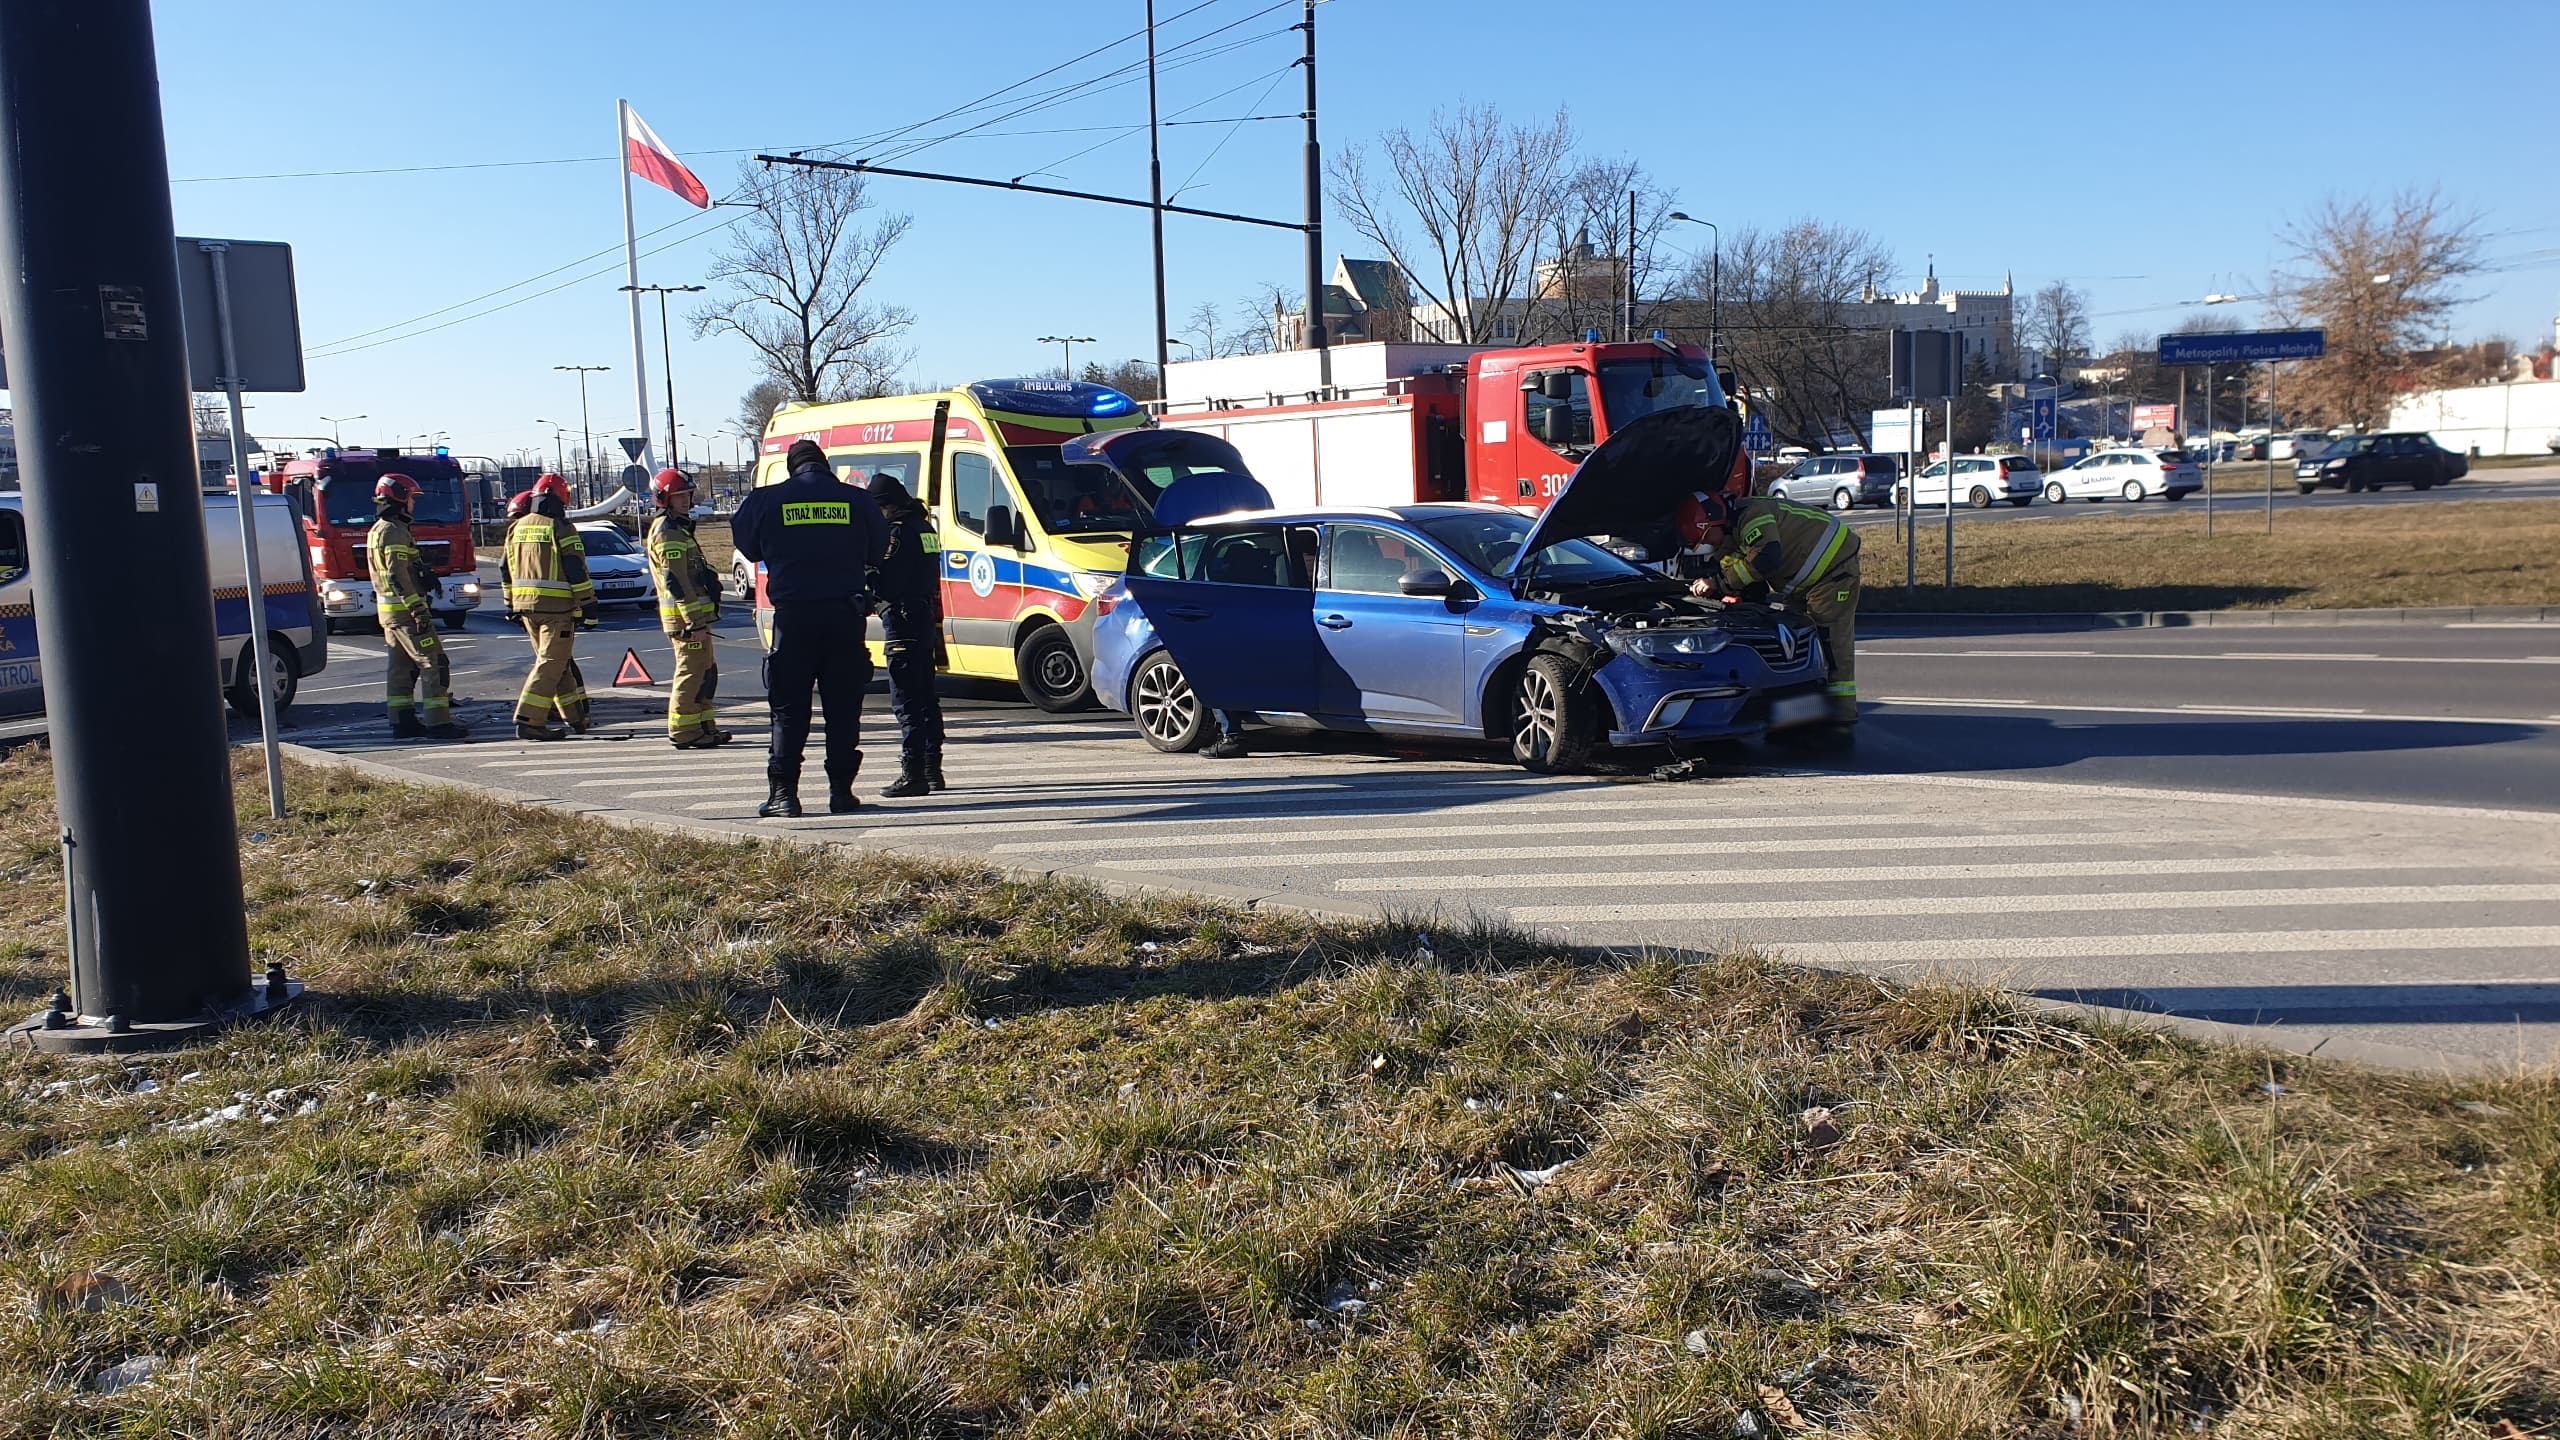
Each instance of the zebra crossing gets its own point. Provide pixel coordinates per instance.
(2408, 925)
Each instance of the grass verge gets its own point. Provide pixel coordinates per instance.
(2447, 552)
(601, 1133)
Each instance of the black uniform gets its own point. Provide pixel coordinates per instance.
(817, 538)
(909, 585)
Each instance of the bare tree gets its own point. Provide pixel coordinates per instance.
(2382, 280)
(756, 407)
(213, 417)
(796, 272)
(2057, 324)
(1136, 379)
(1203, 328)
(1484, 195)
(1787, 326)
(1590, 248)
(1257, 319)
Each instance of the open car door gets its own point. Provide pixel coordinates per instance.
(1229, 596)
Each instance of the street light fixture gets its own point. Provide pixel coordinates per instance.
(586, 430)
(334, 422)
(1067, 349)
(1715, 279)
(667, 349)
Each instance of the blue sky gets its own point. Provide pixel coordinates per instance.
(2052, 141)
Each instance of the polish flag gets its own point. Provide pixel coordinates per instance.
(650, 158)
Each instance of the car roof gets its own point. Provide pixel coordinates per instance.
(1409, 514)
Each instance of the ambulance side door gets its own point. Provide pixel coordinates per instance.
(981, 570)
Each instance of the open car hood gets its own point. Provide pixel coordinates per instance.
(1634, 481)
(1214, 479)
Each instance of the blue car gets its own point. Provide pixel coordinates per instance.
(1452, 620)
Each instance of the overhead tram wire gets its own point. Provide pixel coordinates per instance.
(1277, 77)
(1126, 131)
(501, 290)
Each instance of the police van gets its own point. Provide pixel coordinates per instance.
(297, 641)
(1027, 539)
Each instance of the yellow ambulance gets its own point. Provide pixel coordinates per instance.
(1027, 539)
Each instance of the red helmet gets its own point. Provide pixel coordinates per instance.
(399, 489)
(670, 483)
(1701, 514)
(553, 486)
(520, 504)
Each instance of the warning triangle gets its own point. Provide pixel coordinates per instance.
(632, 671)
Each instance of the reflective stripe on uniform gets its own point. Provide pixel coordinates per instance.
(1834, 535)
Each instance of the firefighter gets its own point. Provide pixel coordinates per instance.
(548, 588)
(688, 601)
(909, 587)
(1760, 548)
(817, 539)
(413, 659)
(519, 505)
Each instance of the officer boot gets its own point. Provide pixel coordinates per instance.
(541, 732)
(405, 726)
(840, 797)
(913, 779)
(933, 771)
(447, 730)
(783, 803)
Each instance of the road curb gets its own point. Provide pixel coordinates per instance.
(1875, 622)
(2299, 1042)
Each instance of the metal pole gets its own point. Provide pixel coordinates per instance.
(631, 279)
(587, 439)
(98, 376)
(1316, 337)
(2208, 452)
(1715, 293)
(261, 649)
(1627, 327)
(1155, 194)
(2271, 447)
(1950, 581)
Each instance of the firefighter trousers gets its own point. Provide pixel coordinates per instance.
(689, 709)
(1832, 604)
(908, 633)
(553, 688)
(817, 645)
(415, 661)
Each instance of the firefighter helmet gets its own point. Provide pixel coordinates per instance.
(670, 483)
(552, 485)
(520, 504)
(396, 489)
(1701, 514)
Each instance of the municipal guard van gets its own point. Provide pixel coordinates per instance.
(294, 617)
(1027, 539)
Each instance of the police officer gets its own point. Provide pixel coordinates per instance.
(688, 601)
(1763, 548)
(817, 539)
(414, 659)
(548, 589)
(909, 586)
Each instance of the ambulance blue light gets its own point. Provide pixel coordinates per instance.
(1112, 402)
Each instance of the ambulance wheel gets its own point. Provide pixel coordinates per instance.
(1050, 672)
(284, 677)
(1554, 726)
(1169, 715)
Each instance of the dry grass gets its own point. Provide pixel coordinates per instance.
(2449, 552)
(604, 1134)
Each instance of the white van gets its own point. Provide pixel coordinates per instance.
(293, 611)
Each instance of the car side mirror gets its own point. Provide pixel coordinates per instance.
(1427, 582)
(1002, 528)
(1556, 384)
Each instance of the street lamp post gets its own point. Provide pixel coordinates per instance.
(667, 349)
(1715, 281)
(559, 458)
(586, 432)
(334, 422)
(1067, 349)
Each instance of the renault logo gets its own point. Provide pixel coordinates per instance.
(1787, 641)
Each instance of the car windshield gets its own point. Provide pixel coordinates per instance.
(2359, 445)
(1633, 388)
(1074, 499)
(347, 492)
(1490, 540)
(605, 540)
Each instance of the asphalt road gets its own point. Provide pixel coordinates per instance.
(2528, 483)
(2352, 832)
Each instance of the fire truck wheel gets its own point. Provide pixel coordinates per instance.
(1050, 672)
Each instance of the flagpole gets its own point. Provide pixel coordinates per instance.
(631, 281)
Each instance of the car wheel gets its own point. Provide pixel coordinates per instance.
(2355, 485)
(1553, 727)
(743, 576)
(2133, 491)
(1050, 672)
(2053, 492)
(2422, 484)
(1844, 498)
(2301, 489)
(2174, 496)
(1979, 499)
(1169, 715)
(2022, 501)
(454, 620)
(284, 678)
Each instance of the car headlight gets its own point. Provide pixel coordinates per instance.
(1668, 644)
(335, 596)
(1090, 583)
(2333, 464)
(470, 587)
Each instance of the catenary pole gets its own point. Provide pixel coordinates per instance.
(159, 944)
(1316, 337)
(631, 281)
(1155, 195)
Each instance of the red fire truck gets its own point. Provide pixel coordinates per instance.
(333, 491)
(1401, 424)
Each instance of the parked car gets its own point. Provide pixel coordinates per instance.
(1452, 620)
(2250, 445)
(2364, 462)
(2130, 474)
(1839, 481)
(615, 564)
(2298, 445)
(1981, 479)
